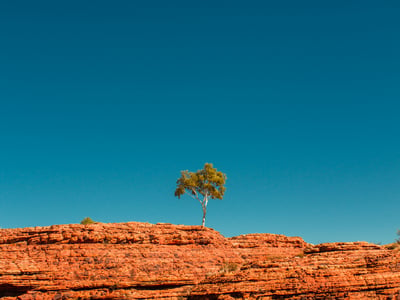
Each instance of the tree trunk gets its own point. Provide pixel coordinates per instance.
(204, 205)
(204, 217)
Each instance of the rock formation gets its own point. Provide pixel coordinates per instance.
(164, 261)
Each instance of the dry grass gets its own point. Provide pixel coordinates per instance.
(228, 267)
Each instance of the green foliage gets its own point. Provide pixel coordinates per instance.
(208, 181)
(87, 221)
(202, 185)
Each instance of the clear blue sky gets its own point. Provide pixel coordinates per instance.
(102, 103)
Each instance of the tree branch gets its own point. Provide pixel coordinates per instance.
(195, 196)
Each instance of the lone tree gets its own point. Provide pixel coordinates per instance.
(203, 185)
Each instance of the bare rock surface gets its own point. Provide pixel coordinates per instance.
(164, 261)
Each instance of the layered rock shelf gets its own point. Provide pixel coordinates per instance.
(164, 261)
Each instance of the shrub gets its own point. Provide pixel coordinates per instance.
(228, 267)
(87, 221)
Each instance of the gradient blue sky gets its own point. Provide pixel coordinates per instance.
(102, 103)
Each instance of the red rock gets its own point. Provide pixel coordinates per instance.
(165, 261)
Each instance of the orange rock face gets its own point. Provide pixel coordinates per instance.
(164, 261)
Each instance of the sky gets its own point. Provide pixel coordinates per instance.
(103, 103)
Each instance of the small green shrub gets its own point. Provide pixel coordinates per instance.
(87, 221)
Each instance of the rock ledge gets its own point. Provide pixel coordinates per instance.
(164, 261)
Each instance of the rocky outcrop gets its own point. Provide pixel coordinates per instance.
(164, 261)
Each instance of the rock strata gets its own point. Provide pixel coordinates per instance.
(164, 261)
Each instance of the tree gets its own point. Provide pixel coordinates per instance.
(202, 185)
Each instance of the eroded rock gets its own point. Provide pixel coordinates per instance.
(164, 261)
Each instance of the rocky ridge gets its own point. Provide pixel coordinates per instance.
(164, 261)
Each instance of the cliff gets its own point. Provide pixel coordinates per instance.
(164, 261)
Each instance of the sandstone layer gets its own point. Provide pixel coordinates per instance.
(164, 261)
